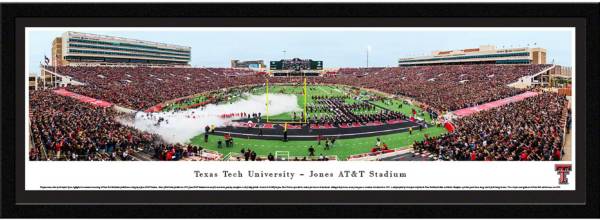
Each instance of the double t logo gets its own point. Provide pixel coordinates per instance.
(563, 170)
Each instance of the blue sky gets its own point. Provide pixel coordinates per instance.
(336, 47)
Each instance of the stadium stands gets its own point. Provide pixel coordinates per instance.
(67, 129)
(448, 87)
(72, 130)
(530, 129)
(526, 130)
(142, 87)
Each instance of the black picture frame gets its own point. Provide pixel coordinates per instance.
(585, 17)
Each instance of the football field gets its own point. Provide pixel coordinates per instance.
(342, 148)
(331, 90)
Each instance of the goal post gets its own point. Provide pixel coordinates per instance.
(267, 99)
(283, 155)
(304, 113)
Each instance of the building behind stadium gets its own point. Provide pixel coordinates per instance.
(485, 54)
(84, 49)
(76, 49)
(256, 64)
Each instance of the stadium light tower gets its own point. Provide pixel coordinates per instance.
(284, 51)
(368, 50)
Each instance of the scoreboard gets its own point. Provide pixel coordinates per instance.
(296, 64)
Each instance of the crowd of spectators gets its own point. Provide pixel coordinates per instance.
(66, 129)
(358, 71)
(446, 87)
(139, 88)
(175, 152)
(526, 130)
(63, 128)
(71, 130)
(230, 72)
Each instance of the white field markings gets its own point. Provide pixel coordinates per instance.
(325, 91)
(328, 92)
(338, 90)
(321, 89)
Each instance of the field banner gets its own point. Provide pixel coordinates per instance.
(449, 126)
(155, 108)
(471, 110)
(95, 102)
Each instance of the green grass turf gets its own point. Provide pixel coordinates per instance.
(311, 91)
(298, 91)
(343, 147)
(406, 109)
(329, 91)
(183, 105)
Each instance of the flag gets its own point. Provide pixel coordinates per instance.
(449, 126)
(46, 60)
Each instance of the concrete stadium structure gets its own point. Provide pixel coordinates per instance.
(76, 49)
(485, 54)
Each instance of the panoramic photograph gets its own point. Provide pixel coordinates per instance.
(299, 94)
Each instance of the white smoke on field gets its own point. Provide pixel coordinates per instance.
(184, 125)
